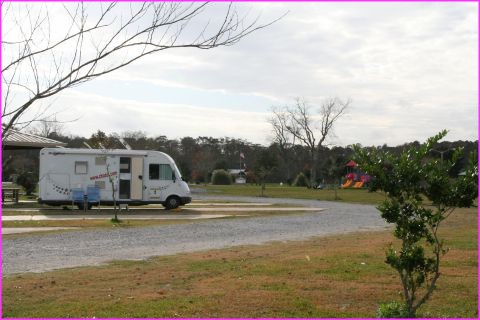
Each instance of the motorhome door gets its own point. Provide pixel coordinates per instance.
(131, 175)
(137, 178)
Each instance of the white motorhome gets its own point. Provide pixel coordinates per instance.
(139, 177)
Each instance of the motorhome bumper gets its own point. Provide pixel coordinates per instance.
(186, 200)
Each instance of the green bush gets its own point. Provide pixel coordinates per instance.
(28, 181)
(221, 177)
(393, 309)
(301, 180)
(409, 179)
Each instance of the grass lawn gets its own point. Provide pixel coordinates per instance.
(277, 191)
(338, 276)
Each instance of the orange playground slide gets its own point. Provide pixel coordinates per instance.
(347, 184)
(358, 184)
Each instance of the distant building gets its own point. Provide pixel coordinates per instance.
(239, 175)
(15, 140)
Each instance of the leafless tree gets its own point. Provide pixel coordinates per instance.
(282, 136)
(47, 126)
(311, 130)
(49, 47)
(279, 122)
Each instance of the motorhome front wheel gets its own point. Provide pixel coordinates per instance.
(172, 203)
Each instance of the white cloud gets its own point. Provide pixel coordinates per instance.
(410, 69)
(173, 120)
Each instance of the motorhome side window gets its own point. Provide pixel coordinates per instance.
(160, 172)
(125, 165)
(81, 167)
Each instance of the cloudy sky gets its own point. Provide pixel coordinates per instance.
(410, 70)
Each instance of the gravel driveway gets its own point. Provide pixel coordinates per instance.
(38, 253)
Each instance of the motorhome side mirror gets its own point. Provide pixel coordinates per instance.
(173, 177)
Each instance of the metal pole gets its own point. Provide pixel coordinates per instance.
(442, 152)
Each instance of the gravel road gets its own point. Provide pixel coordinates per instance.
(38, 253)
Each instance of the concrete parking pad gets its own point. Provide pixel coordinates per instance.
(36, 229)
(131, 215)
(41, 217)
(226, 209)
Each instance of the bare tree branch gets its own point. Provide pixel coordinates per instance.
(98, 41)
(299, 122)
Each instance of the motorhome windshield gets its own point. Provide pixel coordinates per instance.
(177, 172)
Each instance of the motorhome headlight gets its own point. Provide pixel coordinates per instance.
(185, 187)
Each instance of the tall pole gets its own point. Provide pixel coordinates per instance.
(442, 152)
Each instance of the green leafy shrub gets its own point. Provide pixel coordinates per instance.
(393, 309)
(408, 179)
(221, 177)
(301, 180)
(264, 165)
(28, 181)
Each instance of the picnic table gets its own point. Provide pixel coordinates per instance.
(11, 192)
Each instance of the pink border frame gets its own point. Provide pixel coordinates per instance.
(345, 1)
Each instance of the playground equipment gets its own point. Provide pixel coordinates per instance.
(347, 184)
(355, 178)
(358, 184)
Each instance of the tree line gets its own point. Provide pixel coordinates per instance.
(198, 157)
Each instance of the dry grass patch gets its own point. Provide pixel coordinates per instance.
(338, 276)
